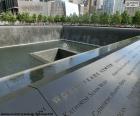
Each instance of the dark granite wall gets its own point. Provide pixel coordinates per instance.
(98, 35)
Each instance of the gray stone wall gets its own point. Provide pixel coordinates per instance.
(13, 35)
(98, 35)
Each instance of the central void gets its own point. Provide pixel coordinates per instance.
(52, 55)
(14, 59)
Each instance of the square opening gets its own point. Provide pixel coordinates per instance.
(61, 53)
(52, 55)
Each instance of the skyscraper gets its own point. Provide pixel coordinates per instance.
(119, 6)
(108, 6)
(111, 6)
(98, 4)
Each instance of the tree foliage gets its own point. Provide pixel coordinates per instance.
(40, 18)
(136, 18)
(104, 18)
(116, 19)
(126, 19)
(34, 18)
(94, 18)
(8, 16)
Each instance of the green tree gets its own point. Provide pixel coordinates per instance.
(8, 16)
(13, 19)
(50, 19)
(67, 19)
(80, 19)
(24, 17)
(116, 18)
(34, 18)
(95, 18)
(136, 18)
(27, 17)
(2, 17)
(74, 19)
(40, 18)
(63, 19)
(57, 18)
(45, 19)
(85, 19)
(104, 18)
(19, 17)
(126, 19)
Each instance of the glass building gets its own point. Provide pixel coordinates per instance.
(108, 6)
(111, 6)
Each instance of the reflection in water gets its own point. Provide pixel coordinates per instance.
(24, 79)
(16, 59)
(9, 85)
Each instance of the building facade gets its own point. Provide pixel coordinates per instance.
(81, 9)
(99, 4)
(131, 6)
(50, 8)
(33, 6)
(112, 6)
(9, 5)
(108, 6)
(44, 7)
(71, 9)
(119, 6)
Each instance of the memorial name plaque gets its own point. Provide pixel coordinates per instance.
(107, 87)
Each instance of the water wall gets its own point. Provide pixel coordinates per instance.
(13, 35)
(98, 35)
